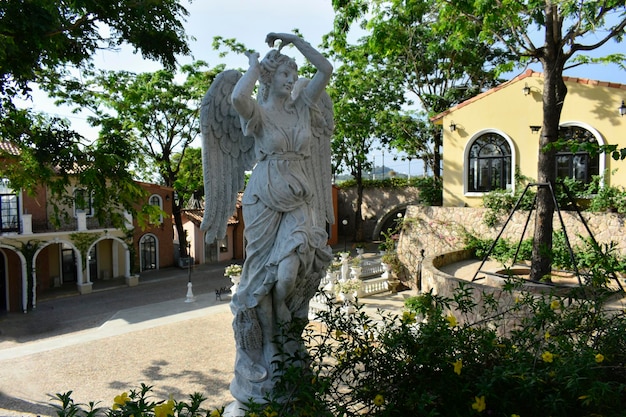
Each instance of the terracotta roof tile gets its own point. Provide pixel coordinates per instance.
(9, 148)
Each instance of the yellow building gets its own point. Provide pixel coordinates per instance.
(488, 136)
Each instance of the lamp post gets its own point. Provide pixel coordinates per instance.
(344, 222)
(190, 298)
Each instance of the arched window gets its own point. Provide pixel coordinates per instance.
(156, 200)
(9, 208)
(489, 163)
(148, 252)
(579, 165)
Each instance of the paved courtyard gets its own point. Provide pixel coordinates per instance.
(108, 342)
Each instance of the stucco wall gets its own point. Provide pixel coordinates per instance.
(439, 230)
(506, 111)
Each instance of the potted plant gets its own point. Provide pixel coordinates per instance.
(232, 270)
(360, 248)
(347, 290)
(355, 267)
(393, 268)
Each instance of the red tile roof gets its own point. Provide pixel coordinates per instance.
(9, 148)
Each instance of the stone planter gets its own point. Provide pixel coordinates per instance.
(235, 279)
(132, 280)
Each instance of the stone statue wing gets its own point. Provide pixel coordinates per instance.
(322, 126)
(226, 155)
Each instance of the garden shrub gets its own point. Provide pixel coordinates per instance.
(562, 356)
(499, 352)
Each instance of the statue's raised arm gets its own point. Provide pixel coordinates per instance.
(286, 204)
(324, 69)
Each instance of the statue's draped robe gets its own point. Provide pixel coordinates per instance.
(279, 221)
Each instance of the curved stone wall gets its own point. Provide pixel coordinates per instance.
(438, 230)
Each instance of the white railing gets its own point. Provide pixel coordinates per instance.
(373, 286)
(371, 267)
(373, 283)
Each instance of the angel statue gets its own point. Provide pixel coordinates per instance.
(283, 135)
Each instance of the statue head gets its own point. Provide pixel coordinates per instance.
(269, 64)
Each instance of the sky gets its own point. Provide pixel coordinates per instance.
(249, 21)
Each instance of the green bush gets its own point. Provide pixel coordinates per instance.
(516, 354)
(596, 264)
(138, 404)
(505, 353)
(500, 202)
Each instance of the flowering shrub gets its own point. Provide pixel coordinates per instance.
(509, 352)
(137, 404)
(232, 270)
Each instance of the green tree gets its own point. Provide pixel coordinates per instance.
(190, 181)
(360, 100)
(425, 65)
(159, 113)
(41, 40)
(555, 34)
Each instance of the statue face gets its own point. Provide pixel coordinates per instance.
(283, 80)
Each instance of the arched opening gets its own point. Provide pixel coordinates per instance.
(489, 163)
(148, 252)
(577, 164)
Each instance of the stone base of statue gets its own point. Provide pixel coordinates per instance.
(234, 409)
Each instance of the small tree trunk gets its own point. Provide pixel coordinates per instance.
(178, 223)
(554, 92)
(437, 155)
(358, 215)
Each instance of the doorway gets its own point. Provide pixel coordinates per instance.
(3, 284)
(68, 261)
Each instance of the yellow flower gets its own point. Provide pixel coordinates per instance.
(379, 400)
(546, 336)
(458, 365)
(599, 358)
(408, 317)
(269, 412)
(514, 415)
(120, 400)
(555, 304)
(517, 299)
(479, 404)
(164, 410)
(451, 320)
(547, 357)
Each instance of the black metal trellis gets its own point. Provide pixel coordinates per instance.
(558, 210)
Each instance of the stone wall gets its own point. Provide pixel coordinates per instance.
(439, 230)
(445, 285)
(379, 205)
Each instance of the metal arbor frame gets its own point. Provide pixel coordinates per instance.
(558, 210)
